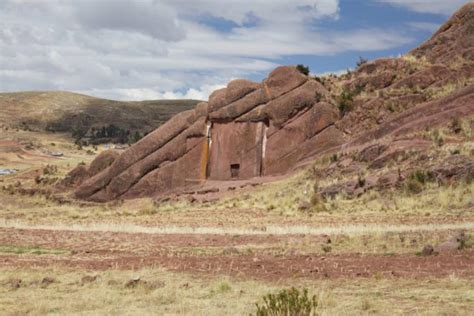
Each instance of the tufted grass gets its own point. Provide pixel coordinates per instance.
(182, 294)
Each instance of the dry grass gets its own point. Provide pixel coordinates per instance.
(166, 293)
(349, 230)
(273, 204)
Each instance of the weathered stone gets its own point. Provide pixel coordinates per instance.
(451, 39)
(102, 161)
(239, 107)
(281, 162)
(281, 109)
(282, 80)
(423, 78)
(371, 152)
(140, 150)
(75, 177)
(202, 109)
(235, 90)
(236, 150)
(251, 129)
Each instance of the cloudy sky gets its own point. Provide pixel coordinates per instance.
(155, 49)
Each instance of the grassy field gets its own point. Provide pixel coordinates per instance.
(62, 256)
(75, 292)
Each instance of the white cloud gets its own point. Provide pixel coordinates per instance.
(424, 26)
(144, 16)
(443, 7)
(137, 94)
(159, 48)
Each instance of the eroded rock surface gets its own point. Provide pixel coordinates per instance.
(251, 129)
(246, 130)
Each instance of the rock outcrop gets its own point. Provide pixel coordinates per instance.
(251, 129)
(246, 130)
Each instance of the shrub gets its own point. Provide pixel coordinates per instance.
(318, 97)
(50, 169)
(224, 287)
(413, 186)
(417, 180)
(456, 126)
(360, 181)
(422, 176)
(288, 302)
(316, 201)
(321, 80)
(303, 69)
(437, 138)
(345, 101)
(361, 61)
(455, 151)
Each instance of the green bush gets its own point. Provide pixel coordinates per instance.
(288, 302)
(422, 176)
(417, 180)
(303, 69)
(345, 102)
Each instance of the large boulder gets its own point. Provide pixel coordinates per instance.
(283, 108)
(239, 107)
(235, 90)
(102, 161)
(137, 152)
(282, 80)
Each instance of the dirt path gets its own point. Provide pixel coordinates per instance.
(107, 250)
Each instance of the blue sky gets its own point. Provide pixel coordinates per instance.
(155, 49)
(370, 14)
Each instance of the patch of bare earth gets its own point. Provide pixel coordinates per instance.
(104, 250)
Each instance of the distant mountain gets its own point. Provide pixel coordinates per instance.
(85, 117)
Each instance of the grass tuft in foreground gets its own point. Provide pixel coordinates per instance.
(288, 302)
(32, 250)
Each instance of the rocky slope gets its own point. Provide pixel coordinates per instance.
(381, 119)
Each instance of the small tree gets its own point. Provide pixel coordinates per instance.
(303, 69)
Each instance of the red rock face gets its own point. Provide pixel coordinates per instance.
(253, 129)
(454, 38)
(244, 130)
(236, 150)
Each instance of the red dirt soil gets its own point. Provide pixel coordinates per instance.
(104, 250)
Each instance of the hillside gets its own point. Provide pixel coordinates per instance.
(366, 119)
(79, 114)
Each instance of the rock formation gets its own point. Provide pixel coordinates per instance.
(246, 130)
(251, 129)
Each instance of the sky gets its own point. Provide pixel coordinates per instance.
(172, 49)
